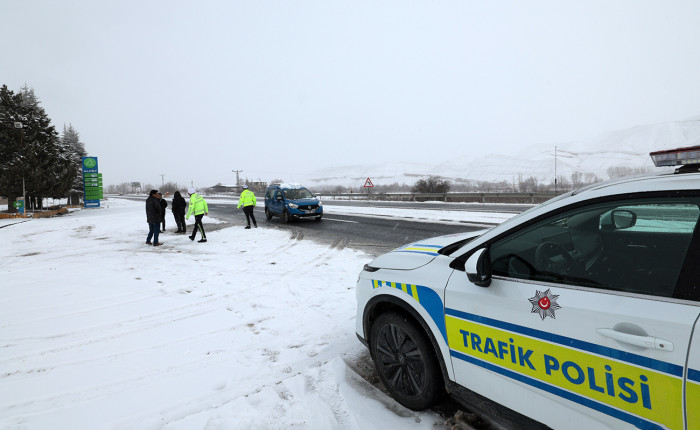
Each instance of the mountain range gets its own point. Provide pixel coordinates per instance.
(627, 148)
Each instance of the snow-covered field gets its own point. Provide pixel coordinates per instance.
(252, 330)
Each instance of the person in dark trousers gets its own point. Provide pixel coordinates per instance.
(163, 205)
(153, 218)
(247, 200)
(178, 209)
(198, 207)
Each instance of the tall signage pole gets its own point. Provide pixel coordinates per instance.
(92, 183)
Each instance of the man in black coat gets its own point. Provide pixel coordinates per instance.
(178, 207)
(163, 205)
(153, 218)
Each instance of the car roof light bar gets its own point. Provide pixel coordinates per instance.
(676, 157)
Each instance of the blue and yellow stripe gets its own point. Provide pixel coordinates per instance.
(420, 248)
(426, 297)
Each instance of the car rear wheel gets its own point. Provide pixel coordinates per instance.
(268, 215)
(405, 361)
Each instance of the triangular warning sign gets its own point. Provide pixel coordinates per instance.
(368, 183)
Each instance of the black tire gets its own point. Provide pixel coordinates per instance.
(285, 217)
(318, 218)
(268, 215)
(405, 361)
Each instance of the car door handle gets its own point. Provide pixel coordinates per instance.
(648, 342)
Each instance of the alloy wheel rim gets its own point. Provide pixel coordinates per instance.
(400, 360)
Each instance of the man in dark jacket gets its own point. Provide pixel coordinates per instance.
(163, 205)
(178, 209)
(153, 218)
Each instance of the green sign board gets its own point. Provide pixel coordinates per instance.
(92, 183)
(90, 162)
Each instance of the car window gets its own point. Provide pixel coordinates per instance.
(627, 246)
(298, 193)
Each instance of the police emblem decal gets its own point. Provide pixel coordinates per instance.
(544, 303)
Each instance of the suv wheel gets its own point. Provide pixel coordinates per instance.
(405, 361)
(285, 216)
(318, 218)
(268, 215)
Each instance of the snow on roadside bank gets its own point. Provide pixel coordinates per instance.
(251, 330)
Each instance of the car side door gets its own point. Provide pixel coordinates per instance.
(276, 202)
(579, 326)
(692, 385)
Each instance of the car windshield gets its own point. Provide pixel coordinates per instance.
(298, 193)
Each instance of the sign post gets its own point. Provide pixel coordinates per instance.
(92, 183)
(368, 185)
(19, 205)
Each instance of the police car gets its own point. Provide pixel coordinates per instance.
(582, 312)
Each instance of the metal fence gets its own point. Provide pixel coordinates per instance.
(446, 197)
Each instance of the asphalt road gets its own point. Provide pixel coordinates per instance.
(374, 235)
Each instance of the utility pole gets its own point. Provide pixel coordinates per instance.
(238, 181)
(555, 170)
(162, 180)
(21, 144)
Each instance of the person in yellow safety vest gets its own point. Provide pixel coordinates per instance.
(198, 207)
(247, 199)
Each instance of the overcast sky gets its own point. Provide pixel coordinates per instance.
(196, 89)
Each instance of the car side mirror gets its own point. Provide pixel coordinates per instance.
(623, 219)
(478, 268)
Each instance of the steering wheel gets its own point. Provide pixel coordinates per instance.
(546, 258)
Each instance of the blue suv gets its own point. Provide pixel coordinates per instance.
(291, 201)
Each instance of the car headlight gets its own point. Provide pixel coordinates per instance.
(320, 203)
(292, 206)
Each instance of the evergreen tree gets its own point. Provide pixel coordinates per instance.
(71, 140)
(45, 155)
(48, 164)
(13, 163)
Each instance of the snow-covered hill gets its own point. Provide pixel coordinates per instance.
(625, 148)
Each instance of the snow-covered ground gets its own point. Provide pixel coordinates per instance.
(252, 330)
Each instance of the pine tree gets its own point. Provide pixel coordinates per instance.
(12, 164)
(49, 165)
(45, 155)
(71, 139)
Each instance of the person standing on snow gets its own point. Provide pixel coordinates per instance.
(178, 209)
(153, 218)
(247, 199)
(198, 207)
(163, 205)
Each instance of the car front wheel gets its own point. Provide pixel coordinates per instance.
(268, 215)
(405, 361)
(285, 216)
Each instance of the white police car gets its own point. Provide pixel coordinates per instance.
(582, 312)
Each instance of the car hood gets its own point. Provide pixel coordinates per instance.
(311, 201)
(419, 253)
